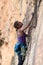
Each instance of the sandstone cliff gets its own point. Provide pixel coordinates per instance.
(28, 11)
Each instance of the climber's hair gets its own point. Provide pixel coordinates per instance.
(16, 24)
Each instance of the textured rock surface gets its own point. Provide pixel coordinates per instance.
(26, 11)
(36, 53)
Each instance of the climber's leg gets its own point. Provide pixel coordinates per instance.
(20, 60)
(23, 59)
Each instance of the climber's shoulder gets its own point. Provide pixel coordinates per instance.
(20, 32)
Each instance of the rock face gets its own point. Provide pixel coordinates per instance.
(35, 48)
(36, 53)
(28, 11)
(10, 11)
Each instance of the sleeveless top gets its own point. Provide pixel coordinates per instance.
(22, 39)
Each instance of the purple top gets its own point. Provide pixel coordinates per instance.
(22, 39)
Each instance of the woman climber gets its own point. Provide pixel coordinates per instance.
(20, 47)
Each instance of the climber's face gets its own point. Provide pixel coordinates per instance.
(19, 24)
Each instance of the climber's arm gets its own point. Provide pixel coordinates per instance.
(25, 27)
